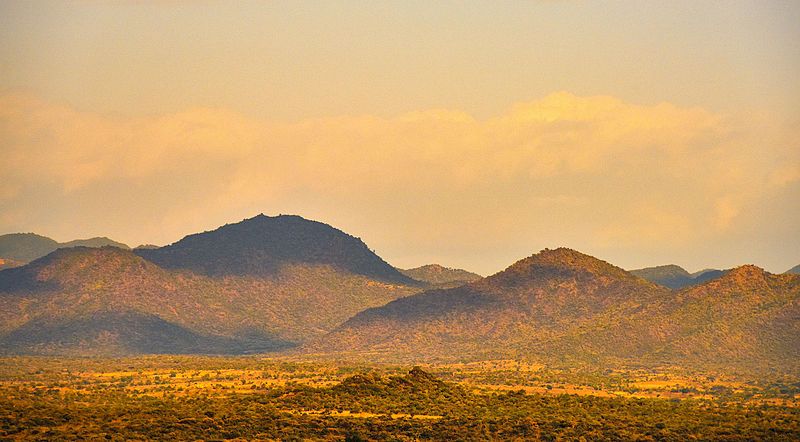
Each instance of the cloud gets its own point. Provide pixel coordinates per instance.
(593, 170)
(649, 224)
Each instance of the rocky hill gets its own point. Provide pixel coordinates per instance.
(116, 302)
(262, 245)
(540, 305)
(562, 306)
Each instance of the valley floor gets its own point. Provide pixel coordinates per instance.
(247, 398)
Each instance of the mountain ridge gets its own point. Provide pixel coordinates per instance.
(270, 283)
(81, 289)
(533, 301)
(562, 306)
(260, 245)
(22, 248)
(676, 277)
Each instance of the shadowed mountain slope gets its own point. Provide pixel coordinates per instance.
(118, 333)
(262, 245)
(794, 270)
(707, 275)
(6, 263)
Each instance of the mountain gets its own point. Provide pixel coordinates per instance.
(675, 277)
(263, 284)
(262, 245)
(671, 275)
(109, 299)
(25, 247)
(146, 246)
(20, 248)
(441, 277)
(563, 307)
(744, 318)
(707, 275)
(794, 270)
(540, 306)
(100, 241)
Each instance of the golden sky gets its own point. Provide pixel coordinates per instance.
(469, 134)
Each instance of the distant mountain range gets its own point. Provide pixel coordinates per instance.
(262, 284)
(20, 248)
(562, 306)
(535, 303)
(794, 270)
(284, 282)
(675, 277)
(441, 277)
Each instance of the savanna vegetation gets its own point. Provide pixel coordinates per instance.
(252, 398)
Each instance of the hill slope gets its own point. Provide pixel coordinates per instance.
(77, 298)
(794, 270)
(262, 245)
(112, 300)
(440, 276)
(565, 307)
(746, 317)
(537, 306)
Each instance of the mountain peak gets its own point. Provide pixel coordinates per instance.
(263, 217)
(564, 256)
(561, 262)
(747, 271)
(25, 247)
(262, 245)
(745, 277)
(433, 267)
(98, 241)
(673, 269)
(72, 266)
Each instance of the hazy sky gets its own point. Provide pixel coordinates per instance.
(466, 133)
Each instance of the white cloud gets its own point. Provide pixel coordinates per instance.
(595, 170)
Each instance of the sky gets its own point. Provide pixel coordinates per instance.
(470, 134)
